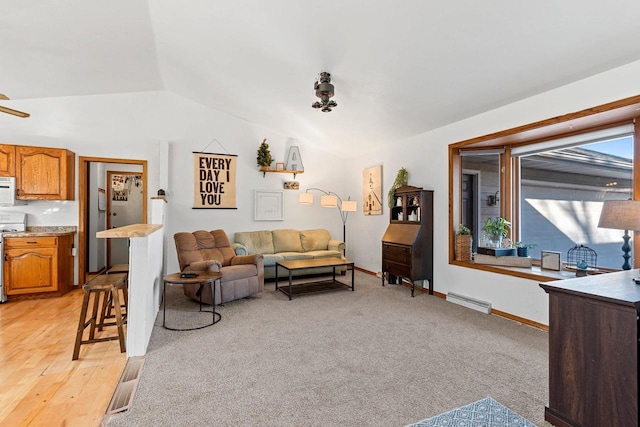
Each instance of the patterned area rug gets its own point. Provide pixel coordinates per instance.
(483, 413)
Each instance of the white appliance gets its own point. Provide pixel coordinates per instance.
(8, 192)
(9, 222)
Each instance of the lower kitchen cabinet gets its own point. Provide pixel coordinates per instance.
(40, 266)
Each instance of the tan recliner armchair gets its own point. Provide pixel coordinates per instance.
(242, 275)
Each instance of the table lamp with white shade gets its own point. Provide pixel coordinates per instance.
(621, 215)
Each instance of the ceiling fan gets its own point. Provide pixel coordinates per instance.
(11, 110)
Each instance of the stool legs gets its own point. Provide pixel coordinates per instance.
(110, 295)
(117, 306)
(81, 325)
(108, 304)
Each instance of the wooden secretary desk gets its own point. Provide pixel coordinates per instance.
(593, 350)
(407, 244)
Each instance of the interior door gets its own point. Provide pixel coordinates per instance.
(125, 197)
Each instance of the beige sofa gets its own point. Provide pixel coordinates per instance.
(242, 276)
(287, 244)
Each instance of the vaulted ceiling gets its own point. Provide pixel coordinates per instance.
(400, 68)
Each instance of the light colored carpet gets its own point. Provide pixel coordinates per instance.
(373, 357)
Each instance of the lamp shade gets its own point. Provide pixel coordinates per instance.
(620, 215)
(305, 198)
(330, 201)
(349, 206)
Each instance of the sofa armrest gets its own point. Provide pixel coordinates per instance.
(336, 245)
(210, 265)
(239, 249)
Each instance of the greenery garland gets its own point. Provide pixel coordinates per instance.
(402, 178)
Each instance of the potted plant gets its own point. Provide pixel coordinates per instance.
(523, 248)
(402, 178)
(264, 158)
(496, 229)
(463, 243)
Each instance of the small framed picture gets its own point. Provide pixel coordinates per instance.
(269, 205)
(291, 185)
(551, 260)
(279, 166)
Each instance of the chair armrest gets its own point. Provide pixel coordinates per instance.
(336, 245)
(239, 249)
(209, 265)
(247, 259)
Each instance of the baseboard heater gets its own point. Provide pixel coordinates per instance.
(482, 306)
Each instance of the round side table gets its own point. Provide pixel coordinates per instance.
(203, 278)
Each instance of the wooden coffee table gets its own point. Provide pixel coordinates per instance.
(316, 286)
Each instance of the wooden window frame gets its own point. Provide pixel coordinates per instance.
(603, 116)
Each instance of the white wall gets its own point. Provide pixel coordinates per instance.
(138, 125)
(426, 158)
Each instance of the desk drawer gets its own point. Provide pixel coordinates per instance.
(400, 270)
(395, 253)
(396, 248)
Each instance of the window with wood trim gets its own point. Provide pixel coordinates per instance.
(550, 179)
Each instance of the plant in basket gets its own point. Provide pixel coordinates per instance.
(464, 242)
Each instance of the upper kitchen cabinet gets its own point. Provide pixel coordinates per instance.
(44, 173)
(7, 160)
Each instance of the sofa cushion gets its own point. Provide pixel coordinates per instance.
(325, 254)
(286, 241)
(294, 255)
(271, 259)
(256, 242)
(314, 240)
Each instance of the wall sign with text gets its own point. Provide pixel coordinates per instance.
(214, 181)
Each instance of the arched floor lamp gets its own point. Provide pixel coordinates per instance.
(332, 200)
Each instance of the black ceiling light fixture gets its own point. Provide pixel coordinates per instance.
(324, 90)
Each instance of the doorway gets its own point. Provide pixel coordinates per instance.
(470, 203)
(124, 207)
(93, 208)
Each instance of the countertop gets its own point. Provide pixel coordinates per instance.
(42, 231)
(133, 230)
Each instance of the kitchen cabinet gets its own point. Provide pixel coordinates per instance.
(7, 160)
(37, 265)
(45, 173)
(407, 244)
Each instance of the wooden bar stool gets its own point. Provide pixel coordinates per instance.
(107, 306)
(108, 286)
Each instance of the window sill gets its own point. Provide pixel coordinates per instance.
(531, 273)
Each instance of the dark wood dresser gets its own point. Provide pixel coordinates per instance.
(593, 350)
(407, 244)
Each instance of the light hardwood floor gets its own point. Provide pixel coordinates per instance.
(40, 384)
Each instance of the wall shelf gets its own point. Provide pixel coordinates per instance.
(264, 172)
